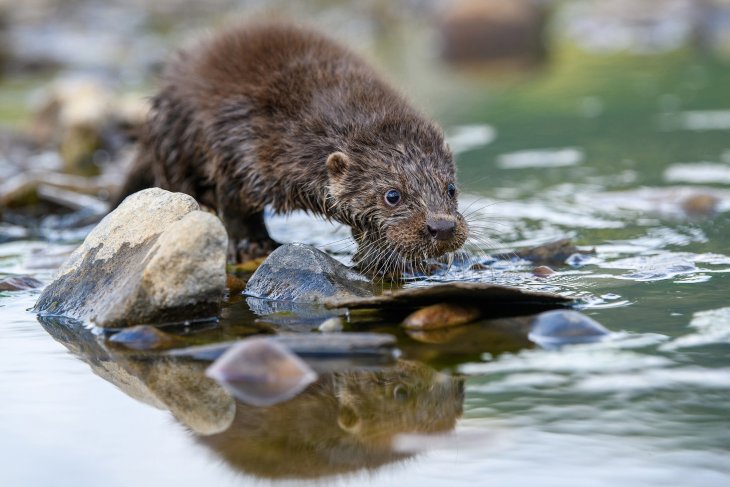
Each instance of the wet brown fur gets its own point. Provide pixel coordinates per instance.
(280, 115)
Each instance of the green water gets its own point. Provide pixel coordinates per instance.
(648, 407)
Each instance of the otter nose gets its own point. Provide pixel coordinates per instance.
(441, 229)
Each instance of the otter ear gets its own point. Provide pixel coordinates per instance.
(337, 163)
(348, 420)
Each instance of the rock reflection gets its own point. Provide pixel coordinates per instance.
(346, 421)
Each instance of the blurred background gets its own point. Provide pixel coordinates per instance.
(511, 75)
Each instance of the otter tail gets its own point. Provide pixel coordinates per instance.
(139, 177)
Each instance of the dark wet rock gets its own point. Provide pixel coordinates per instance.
(542, 271)
(489, 31)
(303, 274)
(156, 258)
(441, 315)
(491, 299)
(309, 345)
(145, 337)
(261, 372)
(550, 254)
(19, 283)
(565, 327)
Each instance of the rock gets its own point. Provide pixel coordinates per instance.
(700, 205)
(234, 284)
(156, 258)
(145, 337)
(487, 31)
(261, 372)
(491, 299)
(85, 119)
(310, 345)
(331, 325)
(553, 253)
(248, 266)
(303, 274)
(442, 315)
(542, 271)
(19, 283)
(168, 383)
(564, 327)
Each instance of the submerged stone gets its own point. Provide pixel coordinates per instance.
(565, 327)
(304, 274)
(154, 259)
(441, 315)
(19, 283)
(145, 337)
(550, 254)
(314, 345)
(261, 372)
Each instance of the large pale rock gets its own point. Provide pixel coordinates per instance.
(156, 258)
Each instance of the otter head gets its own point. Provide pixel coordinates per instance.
(401, 202)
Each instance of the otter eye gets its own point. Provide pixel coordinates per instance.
(451, 189)
(400, 393)
(392, 197)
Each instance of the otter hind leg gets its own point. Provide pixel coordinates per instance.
(247, 237)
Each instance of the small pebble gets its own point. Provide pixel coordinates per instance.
(331, 325)
(700, 205)
(249, 265)
(542, 271)
(234, 284)
(441, 316)
(19, 283)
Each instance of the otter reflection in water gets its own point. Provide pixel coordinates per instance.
(343, 422)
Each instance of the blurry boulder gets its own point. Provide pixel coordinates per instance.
(156, 258)
(86, 121)
(4, 51)
(488, 31)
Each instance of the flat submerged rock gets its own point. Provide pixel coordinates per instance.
(491, 299)
(307, 345)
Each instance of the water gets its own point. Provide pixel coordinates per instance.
(609, 150)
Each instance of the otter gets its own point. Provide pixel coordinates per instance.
(281, 115)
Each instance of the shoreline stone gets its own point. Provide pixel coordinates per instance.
(157, 258)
